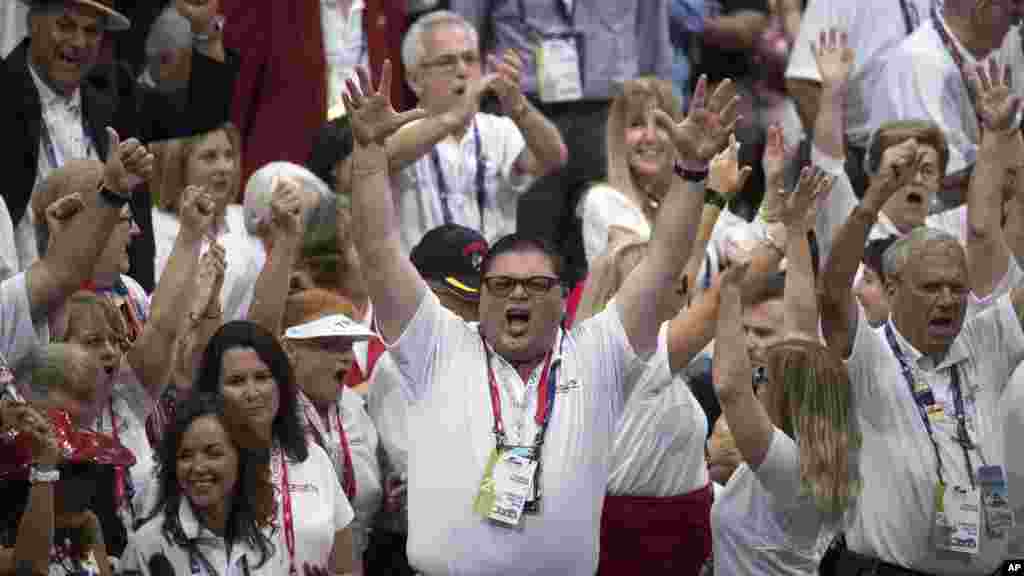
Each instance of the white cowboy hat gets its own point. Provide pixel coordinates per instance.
(115, 20)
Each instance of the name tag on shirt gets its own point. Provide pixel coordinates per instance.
(995, 501)
(559, 77)
(506, 487)
(958, 519)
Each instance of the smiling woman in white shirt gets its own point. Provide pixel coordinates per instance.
(215, 505)
(784, 503)
(247, 364)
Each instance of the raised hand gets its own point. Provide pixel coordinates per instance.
(898, 169)
(468, 103)
(128, 164)
(834, 57)
(286, 203)
(372, 115)
(197, 211)
(60, 213)
(997, 105)
(725, 175)
(199, 13)
(706, 129)
(30, 424)
(774, 163)
(211, 276)
(508, 82)
(313, 570)
(796, 207)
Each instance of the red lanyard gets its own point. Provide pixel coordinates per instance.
(545, 398)
(348, 471)
(124, 490)
(289, 526)
(958, 59)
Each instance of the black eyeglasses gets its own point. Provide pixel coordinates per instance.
(534, 285)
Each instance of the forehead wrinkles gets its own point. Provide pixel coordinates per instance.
(938, 260)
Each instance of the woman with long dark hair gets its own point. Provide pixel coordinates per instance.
(246, 364)
(215, 502)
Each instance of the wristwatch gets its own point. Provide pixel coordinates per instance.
(689, 173)
(43, 473)
(113, 198)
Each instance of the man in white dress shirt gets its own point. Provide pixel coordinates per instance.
(926, 77)
(493, 488)
(472, 166)
(928, 385)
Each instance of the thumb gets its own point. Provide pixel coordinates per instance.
(115, 141)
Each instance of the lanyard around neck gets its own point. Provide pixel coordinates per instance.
(545, 396)
(445, 190)
(347, 467)
(288, 519)
(923, 397)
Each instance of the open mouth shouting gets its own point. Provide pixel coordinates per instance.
(517, 320)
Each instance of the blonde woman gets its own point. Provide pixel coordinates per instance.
(784, 503)
(641, 161)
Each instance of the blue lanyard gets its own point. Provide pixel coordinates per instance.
(445, 191)
(51, 150)
(924, 398)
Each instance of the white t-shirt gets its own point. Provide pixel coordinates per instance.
(920, 81)
(895, 516)
(417, 191)
(760, 523)
(659, 445)
(1013, 416)
(319, 507)
(387, 407)
(874, 27)
(243, 254)
(19, 335)
(444, 376)
(8, 248)
(362, 443)
(150, 540)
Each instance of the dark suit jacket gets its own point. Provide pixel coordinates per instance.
(110, 97)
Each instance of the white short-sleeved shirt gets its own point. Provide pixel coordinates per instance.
(417, 192)
(243, 254)
(895, 515)
(388, 408)
(8, 248)
(874, 27)
(921, 81)
(1013, 417)
(19, 335)
(603, 207)
(362, 443)
(319, 507)
(659, 446)
(150, 540)
(444, 375)
(761, 524)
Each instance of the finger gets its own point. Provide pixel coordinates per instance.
(986, 85)
(832, 39)
(700, 94)
(405, 117)
(844, 40)
(365, 85)
(1007, 77)
(993, 73)
(663, 120)
(730, 110)
(385, 79)
(822, 41)
(354, 93)
(115, 140)
(745, 173)
(724, 94)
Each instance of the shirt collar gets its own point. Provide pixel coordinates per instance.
(49, 98)
(956, 354)
(193, 529)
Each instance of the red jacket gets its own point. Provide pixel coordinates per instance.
(281, 94)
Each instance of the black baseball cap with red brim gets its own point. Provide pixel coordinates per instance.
(451, 255)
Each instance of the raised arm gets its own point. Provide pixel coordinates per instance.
(835, 59)
(394, 285)
(412, 141)
(204, 318)
(151, 356)
(698, 138)
(545, 151)
(271, 291)
(749, 422)
(79, 225)
(988, 254)
(801, 302)
(838, 307)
